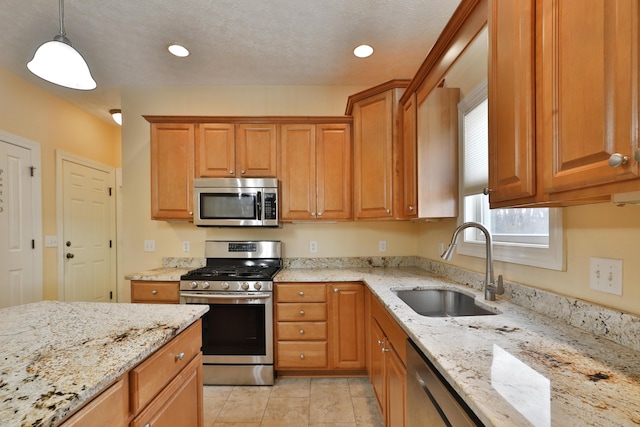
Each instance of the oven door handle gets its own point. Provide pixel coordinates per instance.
(226, 296)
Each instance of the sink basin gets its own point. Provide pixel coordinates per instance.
(441, 303)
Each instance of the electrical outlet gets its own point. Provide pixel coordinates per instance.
(186, 246)
(606, 275)
(50, 241)
(313, 246)
(149, 245)
(382, 245)
(440, 248)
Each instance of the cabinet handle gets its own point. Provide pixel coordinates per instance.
(385, 350)
(301, 312)
(636, 155)
(190, 213)
(242, 172)
(180, 356)
(618, 159)
(302, 356)
(147, 425)
(336, 290)
(301, 331)
(301, 293)
(319, 213)
(231, 172)
(389, 211)
(411, 208)
(153, 292)
(486, 191)
(313, 214)
(380, 342)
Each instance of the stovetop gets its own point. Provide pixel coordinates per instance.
(222, 270)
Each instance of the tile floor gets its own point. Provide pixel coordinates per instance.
(294, 402)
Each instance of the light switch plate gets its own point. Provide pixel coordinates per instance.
(606, 275)
(50, 241)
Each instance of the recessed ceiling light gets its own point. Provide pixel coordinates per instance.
(178, 50)
(363, 51)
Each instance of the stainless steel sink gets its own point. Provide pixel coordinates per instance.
(441, 303)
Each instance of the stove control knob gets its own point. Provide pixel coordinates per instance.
(245, 286)
(225, 285)
(194, 285)
(206, 285)
(257, 286)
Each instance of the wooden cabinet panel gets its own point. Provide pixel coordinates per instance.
(151, 376)
(409, 142)
(396, 390)
(302, 331)
(215, 150)
(333, 171)
(589, 94)
(155, 292)
(377, 368)
(309, 312)
(301, 292)
(302, 355)
(512, 133)
(256, 154)
(111, 408)
(179, 404)
(347, 325)
(172, 170)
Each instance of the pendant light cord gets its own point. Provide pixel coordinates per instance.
(61, 9)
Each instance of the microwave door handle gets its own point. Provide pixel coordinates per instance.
(259, 205)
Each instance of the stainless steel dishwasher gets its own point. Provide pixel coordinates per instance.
(430, 400)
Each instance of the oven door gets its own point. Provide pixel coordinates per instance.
(228, 207)
(237, 329)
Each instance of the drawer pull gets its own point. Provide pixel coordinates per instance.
(180, 356)
(301, 312)
(385, 350)
(302, 356)
(380, 342)
(147, 425)
(301, 331)
(153, 292)
(301, 293)
(336, 290)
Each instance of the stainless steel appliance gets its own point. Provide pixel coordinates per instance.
(235, 202)
(430, 399)
(237, 332)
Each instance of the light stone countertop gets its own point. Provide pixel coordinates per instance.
(518, 368)
(162, 274)
(56, 356)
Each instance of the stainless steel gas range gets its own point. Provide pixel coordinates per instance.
(237, 332)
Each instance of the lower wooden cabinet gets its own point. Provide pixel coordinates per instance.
(319, 327)
(163, 390)
(155, 292)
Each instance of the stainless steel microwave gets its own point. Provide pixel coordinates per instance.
(235, 202)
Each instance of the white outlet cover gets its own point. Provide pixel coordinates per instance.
(313, 246)
(605, 275)
(382, 245)
(186, 246)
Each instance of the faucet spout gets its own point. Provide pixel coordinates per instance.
(490, 285)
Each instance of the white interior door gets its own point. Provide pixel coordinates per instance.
(17, 240)
(87, 237)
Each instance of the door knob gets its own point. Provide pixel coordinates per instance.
(70, 255)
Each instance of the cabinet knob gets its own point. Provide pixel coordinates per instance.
(301, 312)
(313, 214)
(411, 207)
(190, 213)
(242, 172)
(147, 425)
(180, 356)
(380, 342)
(231, 172)
(301, 293)
(385, 350)
(389, 211)
(154, 292)
(336, 290)
(319, 213)
(486, 191)
(301, 331)
(618, 159)
(302, 356)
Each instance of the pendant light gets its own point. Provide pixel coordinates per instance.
(58, 62)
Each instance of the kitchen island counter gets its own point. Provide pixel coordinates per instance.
(520, 367)
(57, 356)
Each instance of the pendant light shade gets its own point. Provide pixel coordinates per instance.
(58, 62)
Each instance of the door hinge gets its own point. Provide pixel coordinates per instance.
(111, 295)
(110, 243)
(32, 170)
(33, 244)
(109, 191)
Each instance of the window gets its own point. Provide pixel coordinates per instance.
(529, 236)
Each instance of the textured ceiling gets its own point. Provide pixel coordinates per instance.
(232, 42)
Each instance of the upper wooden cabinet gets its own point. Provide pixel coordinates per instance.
(410, 153)
(377, 151)
(563, 104)
(236, 150)
(172, 160)
(315, 172)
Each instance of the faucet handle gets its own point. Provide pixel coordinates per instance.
(500, 286)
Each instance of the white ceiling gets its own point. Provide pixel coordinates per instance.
(232, 42)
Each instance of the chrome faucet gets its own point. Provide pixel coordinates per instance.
(491, 288)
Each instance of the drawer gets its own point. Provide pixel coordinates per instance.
(312, 312)
(302, 331)
(155, 292)
(148, 378)
(301, 292)
(302, 355)
(112, 405)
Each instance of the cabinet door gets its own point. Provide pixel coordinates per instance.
(377, 368)
(111, 408)
(512, 120)
(373, 156)
(215, 150)
(333, 171)
(172, 171)
(256, 154)
(297, 172)
(589, 99)
(347, 325)
(409, 142)
(396, 378)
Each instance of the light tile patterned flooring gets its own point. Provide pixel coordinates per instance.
(294, 402)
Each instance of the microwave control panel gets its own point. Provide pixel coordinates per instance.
(270, 208)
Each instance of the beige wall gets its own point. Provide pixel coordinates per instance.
(601, 230)
(34, 114)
